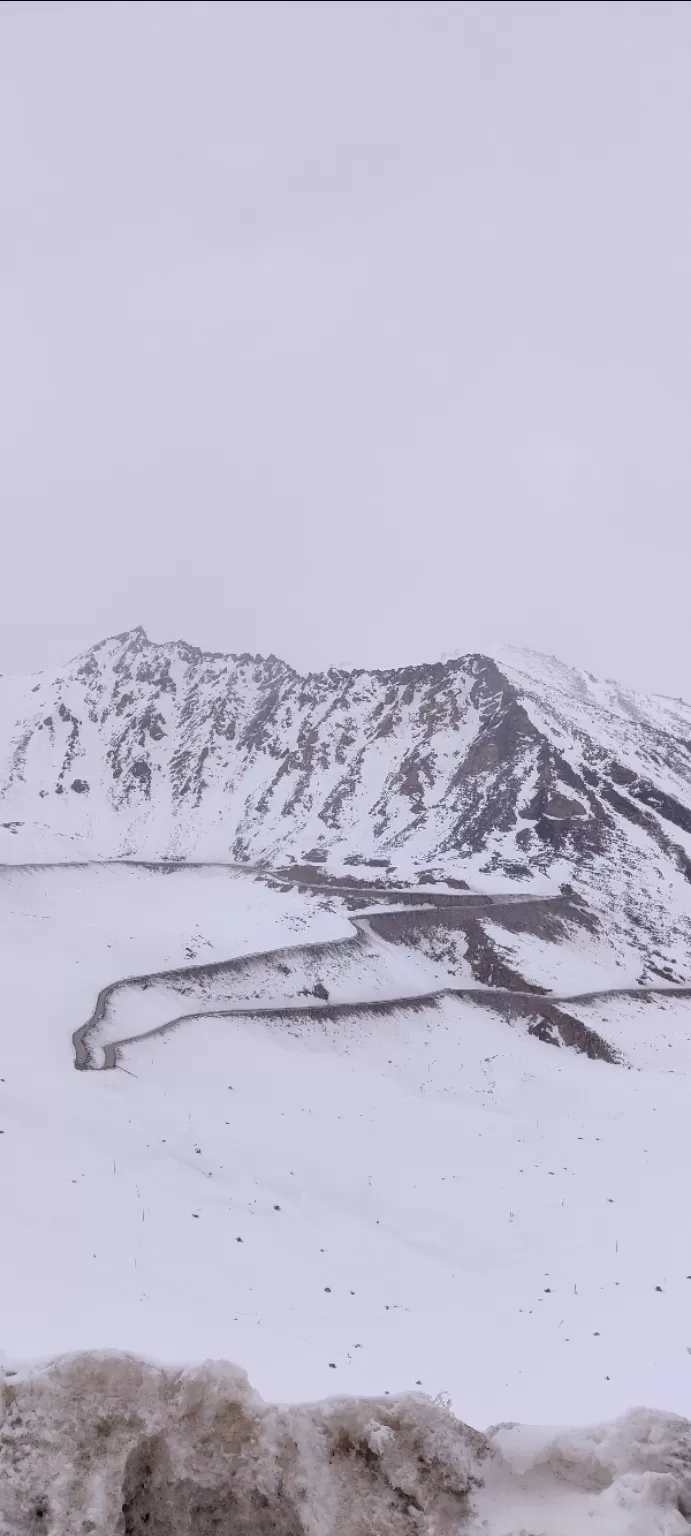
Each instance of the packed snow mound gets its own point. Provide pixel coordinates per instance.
(631, 1477)
(109, 1443)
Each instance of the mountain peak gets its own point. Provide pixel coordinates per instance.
(509, 767)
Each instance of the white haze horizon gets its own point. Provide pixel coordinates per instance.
(355, 333)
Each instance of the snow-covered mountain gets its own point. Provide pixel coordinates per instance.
(361, 1137)
(496, 771)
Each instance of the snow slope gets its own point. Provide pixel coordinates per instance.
(515, 771)
(359, 1204)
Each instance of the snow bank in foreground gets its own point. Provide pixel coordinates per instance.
(106, 1443)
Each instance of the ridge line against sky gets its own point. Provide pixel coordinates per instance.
(504, 655)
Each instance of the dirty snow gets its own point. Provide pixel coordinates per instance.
(107, 1443)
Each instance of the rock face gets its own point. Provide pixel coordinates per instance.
(487, 770)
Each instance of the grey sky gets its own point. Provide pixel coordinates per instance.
(359, 332)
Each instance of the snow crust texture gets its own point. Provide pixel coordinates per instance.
(110, 1444)
(106, 1443)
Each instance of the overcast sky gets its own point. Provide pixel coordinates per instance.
(357, 332)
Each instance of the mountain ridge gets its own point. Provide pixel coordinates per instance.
(513, 769)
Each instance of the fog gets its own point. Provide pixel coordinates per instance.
(356, 332)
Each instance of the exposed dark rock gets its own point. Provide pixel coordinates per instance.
(459, 767)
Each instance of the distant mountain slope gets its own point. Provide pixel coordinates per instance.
(491, 770)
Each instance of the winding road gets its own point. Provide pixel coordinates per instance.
(393, 912)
